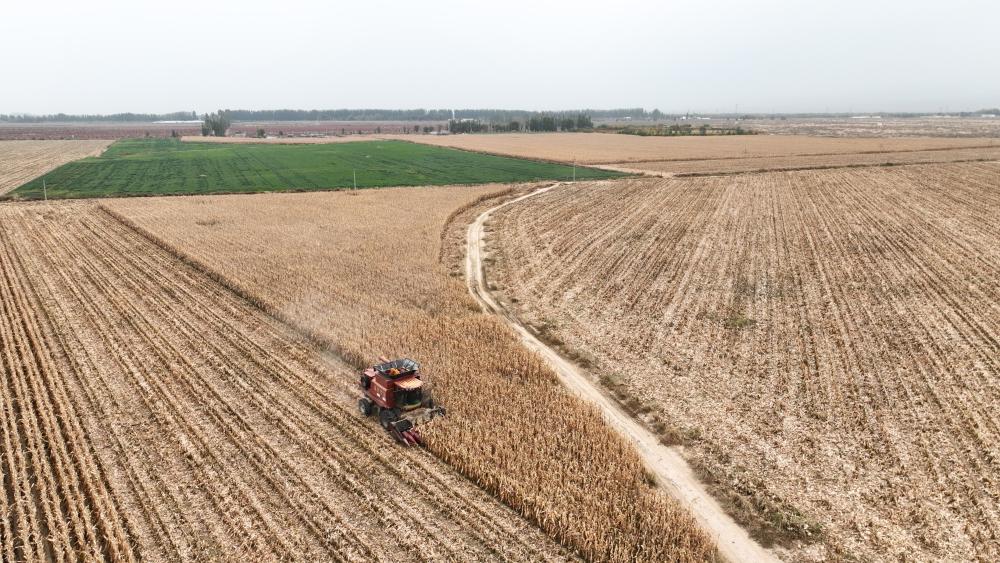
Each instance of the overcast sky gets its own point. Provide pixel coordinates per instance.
(101, 56)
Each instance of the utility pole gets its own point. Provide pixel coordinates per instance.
(355, 178)
(574, 168)
(45, 191)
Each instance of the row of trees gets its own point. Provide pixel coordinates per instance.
(216, 124)
(485, 115)
(539, 123)
(114, 117)
(554, 123)
(683, 130)
(497, 116)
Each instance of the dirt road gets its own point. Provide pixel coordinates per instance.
(671, 470)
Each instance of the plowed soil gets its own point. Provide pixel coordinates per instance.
(603, 148)
(824, 345)
(740, 165)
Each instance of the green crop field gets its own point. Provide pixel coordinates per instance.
(167, 166)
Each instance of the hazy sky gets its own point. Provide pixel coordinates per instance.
(100, 56)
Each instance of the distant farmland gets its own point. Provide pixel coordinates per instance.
(166, 166)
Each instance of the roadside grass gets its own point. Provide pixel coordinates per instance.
(139, 167)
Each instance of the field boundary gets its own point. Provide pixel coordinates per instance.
(671, 470)
(590, 165)
(849, 153)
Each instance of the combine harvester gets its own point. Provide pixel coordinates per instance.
(394, 392)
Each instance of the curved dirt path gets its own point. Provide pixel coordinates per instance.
(671, 470)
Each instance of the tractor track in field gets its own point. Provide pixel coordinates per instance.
(672, 472)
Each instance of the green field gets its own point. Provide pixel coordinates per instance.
(167, 166)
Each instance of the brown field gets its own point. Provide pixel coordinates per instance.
(738, 165)
(884, 127)
(824, 344)
(356, 272)
(21, 161)
(110, 130)
(605, 148)
(151, 414)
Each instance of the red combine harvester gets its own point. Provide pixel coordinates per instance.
(394, 393)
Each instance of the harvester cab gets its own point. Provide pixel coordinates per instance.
(394, 393)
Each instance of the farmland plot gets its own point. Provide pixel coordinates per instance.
(170, 167)
(21, 161)
(879, 126)
(825, 344)
(361, 272)
(739, 165)
(606, 148)
(149, 413)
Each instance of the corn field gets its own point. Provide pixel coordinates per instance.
(149, 413)
(359, 272)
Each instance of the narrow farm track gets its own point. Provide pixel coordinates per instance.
(671, 470)
(153, 414)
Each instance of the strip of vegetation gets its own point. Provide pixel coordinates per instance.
(138, 167)
(683, 130)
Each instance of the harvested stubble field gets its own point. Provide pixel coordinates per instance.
(150, 414)
(825, 344)
(929, 126)
(21, 161)
(739, 165)
(608, 148)
(362, 273)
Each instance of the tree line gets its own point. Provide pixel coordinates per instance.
(114, 117)
(494, 116)
(537, 123)
(439, 115)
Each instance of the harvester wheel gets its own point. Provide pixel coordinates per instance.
(387, 417)
(365, 406)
